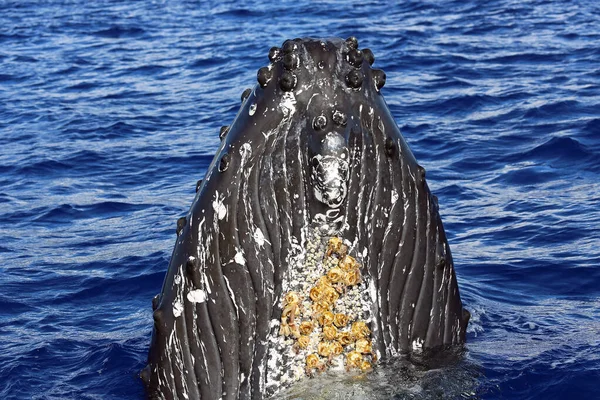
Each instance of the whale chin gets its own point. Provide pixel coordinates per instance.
(312, 244)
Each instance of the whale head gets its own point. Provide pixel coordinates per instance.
(313, 242)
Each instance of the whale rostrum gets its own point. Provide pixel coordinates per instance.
(313, 242)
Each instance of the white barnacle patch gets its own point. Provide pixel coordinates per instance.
(394, 196)
(196, 296)
(288, 104)
(245, 152)
(239, 258)
(274, 323)
(177, 308)
(417, 345)
(218, 206)
(252, 109)
(259, 238)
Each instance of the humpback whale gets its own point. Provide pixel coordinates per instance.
(313, 242)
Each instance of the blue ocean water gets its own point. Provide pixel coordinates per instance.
(110, 112)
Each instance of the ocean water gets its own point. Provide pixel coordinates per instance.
(110, 112)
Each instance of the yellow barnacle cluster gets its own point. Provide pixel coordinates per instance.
(317, 327)
(306, 327)
(303, 341)
(336, 246)
(290, 315)
(330, 332)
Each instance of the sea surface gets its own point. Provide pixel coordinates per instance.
(110, 112)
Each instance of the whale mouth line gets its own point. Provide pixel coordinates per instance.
(313, 243)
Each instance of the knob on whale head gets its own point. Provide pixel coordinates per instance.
(326, 89)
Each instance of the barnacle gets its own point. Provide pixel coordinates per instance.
(365, 366)
(312, 361)
(335, 275)
(360, 330)
(363, 346)
(340, 288)
(352, 277)
(326, 318)
(321, 308)
(348, 263)
(285, 329)
(353, 359)
(330, 332)
(324, 349)
(345, 338)
(289, 312)
(336, 348)
(306, 327)
(330, 295)
(291, 301)
(336, 246)
(316, 293)
(291, 298)
(323, 282)
(303, 341)
(340, 320)
(295, 332)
